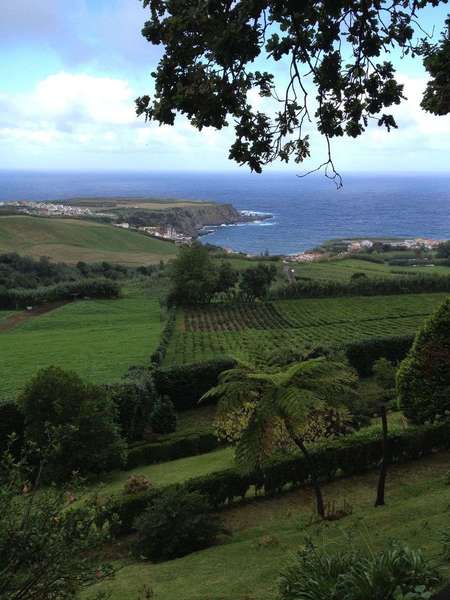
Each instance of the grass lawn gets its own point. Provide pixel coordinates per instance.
(72, 240)
(5, 314)
(175, 471)
(99, 339)
(267, 532)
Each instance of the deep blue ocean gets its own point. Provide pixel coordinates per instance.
(305, 211)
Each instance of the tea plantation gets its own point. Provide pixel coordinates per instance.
(250, 332)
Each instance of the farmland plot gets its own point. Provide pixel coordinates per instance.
(251, 331)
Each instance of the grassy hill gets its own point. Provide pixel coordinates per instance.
(99, 339)
(71, 240)
(252, 332)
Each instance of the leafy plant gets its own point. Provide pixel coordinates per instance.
(175, 523)
(285, 404)
(397, 572)
(163, 418)
(135, 484)
(423, 380)
(76, 421)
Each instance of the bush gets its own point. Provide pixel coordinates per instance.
(134, 398)
(184, 385)
(92, 288)
(393, 573)
(77, 418)
(136, 484)
(174, 524)
(364, 286)
(11, 422)
(163, 418)
(423, 380)
(154, 452)
(362, 355)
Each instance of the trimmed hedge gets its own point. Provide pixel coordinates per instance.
(92, 288)
(186, 384)
(350, 455)
(154, 452)
(159, 354)
(362, 355)
(413, 284)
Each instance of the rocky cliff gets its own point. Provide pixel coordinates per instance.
(188, 220)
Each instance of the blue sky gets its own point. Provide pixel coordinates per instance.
(69, 73)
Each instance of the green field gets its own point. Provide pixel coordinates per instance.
(99, 339)
(5, 314)
(72, 240)
(343, 269)
(265, 533)
(250, 332)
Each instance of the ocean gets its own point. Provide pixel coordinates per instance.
(305, 212)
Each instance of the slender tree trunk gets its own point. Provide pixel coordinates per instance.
(314, 480)
(384, 458)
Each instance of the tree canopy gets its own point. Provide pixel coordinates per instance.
(334, 50)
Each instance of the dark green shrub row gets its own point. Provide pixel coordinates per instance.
(11, 422)
(364, 286)
(186, 384)
(91, 288)
(362, 355)
(350, 455)
(160, 352)
(154, 452)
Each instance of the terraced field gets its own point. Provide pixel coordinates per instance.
(251, 332)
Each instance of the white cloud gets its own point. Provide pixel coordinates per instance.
(92, 118)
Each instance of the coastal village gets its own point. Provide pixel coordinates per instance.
(357, 246)
(50, 209)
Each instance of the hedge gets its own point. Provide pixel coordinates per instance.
(350, 455)
(160, 352)
(186, 384)
(92, 288)
(364, 286)
(362, 355)
(154, 452)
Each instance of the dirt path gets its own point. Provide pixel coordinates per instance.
(37, 311)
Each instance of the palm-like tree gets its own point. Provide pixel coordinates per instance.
(284, 397)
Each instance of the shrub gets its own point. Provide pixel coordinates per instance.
(176, 523)
(423, 381)
(135, 484)
(364, 286)
(92, 288)
(134, 398)
(11, 422)
(154, 452)
(184, 385)
(163, 418)
(77, 417)
(362, 355)
(395, 572)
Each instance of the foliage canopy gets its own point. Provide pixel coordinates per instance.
(333, 48)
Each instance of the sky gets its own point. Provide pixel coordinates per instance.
(70, 71)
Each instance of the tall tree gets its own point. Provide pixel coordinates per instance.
(282, 405)
(332, 49)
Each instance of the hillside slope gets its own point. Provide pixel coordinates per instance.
(71, 240)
